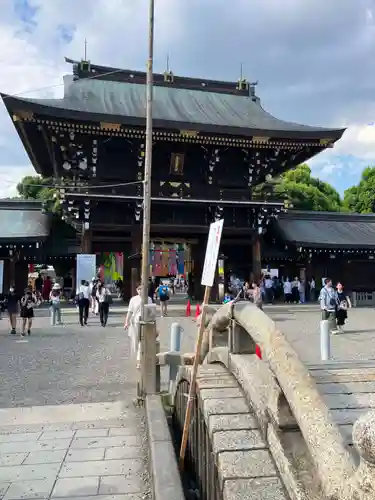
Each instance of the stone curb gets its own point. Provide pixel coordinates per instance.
(165, 476)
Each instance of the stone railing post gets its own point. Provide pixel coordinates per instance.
(362, 485)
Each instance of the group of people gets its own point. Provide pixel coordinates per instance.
(293, 291)
(334, 304)
(98, 296)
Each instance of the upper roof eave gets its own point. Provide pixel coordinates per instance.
(55, 108)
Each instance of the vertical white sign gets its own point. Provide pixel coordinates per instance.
(212, 253)
(86, 268)
(1, 276)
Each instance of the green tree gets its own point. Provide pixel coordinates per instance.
(361, 198)
(300, 189)
(36, 187)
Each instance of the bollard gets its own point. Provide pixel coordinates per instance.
(175, 346)
(325, 341)
(175, 337)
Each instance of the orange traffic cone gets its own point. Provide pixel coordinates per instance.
(188, 308)
(258, 352)
(197, 311)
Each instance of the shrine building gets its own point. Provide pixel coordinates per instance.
(213, 142)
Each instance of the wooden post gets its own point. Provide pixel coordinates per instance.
(192, 389)
(257, 259)
(86, 241)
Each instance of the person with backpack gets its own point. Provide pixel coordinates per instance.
(55, 305)
(83, 302)
(104, 300)
(163, 293)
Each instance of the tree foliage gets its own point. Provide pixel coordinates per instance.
(301, 190)
(361, 198)
(36, 187)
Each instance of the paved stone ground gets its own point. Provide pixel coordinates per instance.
(69, 451)
(300, 324)
(68, 425)
(65, 383)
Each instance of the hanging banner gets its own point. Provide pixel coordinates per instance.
(86, 268)
(1, 276)
(212, 253)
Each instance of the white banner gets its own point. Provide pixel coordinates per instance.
(1, 276)
(86, 268)
(212, 253)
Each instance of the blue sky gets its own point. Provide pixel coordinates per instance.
(315, 60)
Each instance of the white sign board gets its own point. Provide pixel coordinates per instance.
(1, 276)
(86, 268)
(212, 252)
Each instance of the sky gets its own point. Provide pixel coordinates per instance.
(314, 60)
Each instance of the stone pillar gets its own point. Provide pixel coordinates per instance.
(257, 259)
(362, 484)
(86, 241)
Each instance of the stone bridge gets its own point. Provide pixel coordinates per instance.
(274, 428)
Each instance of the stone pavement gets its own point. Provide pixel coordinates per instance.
(68, 425)
(300, 324)
(91, 451)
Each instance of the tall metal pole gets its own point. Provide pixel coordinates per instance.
(147, 184)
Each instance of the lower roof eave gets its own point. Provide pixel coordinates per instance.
(14, 104)
(317, 246)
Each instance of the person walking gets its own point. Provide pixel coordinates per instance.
(256, 296)
(12, 304)
(343, 304)
(93, 294)
(288, 296)
(162, 292)
(104, 299)
(132, 323)
(83, 301)
(55, 301)
(28, 302)
(328, 303)
(312, 289)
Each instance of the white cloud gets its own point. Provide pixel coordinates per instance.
(348, 158)
(10, 176)
(313, 64)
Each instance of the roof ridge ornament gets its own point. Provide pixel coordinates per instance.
(168, 74)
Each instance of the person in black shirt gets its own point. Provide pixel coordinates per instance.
(12, 302)
(28, 302)
(343, 304)
(39, 283)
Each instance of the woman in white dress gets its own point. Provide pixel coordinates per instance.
(132, 322)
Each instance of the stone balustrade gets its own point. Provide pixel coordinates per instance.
(306, 444)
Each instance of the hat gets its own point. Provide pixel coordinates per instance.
(56, 286)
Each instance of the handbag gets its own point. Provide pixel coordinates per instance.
(343, 305)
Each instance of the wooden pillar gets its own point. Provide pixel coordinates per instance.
(257, 259)
(7, 281)
(21, 271)
(198, 253)
(135, 258)
(86, 241)
(126, 275)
